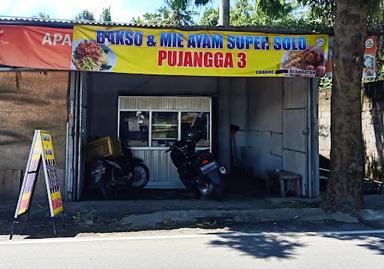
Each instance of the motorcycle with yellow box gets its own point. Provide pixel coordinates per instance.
(112, 167)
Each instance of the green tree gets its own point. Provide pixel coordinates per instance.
(242, 13)
(43, 15)
(260, 11)
(155, 18)
(105, 15)
(344, 188)
(224, 8)
(196, 2)
(275, 8)
(210, 17)
(138, 20)
(245, 12)
(325, 11)
(85, 15)
(350, 20)
(148, 19)
(174, 12)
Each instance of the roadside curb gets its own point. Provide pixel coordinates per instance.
(372, 217)
(115, 217)
(158, 219)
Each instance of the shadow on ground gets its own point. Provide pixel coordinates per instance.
(273, 239)
(373, 242)
(262, 246)
(284, 240)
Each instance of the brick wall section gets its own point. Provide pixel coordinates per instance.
(29, 101)
(372, 122)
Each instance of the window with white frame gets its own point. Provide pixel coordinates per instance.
(158, 129)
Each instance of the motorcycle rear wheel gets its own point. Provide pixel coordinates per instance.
(140, 176)
(218, 192)
(107, 192)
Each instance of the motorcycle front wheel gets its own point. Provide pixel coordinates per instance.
(205, 189)
(140, 176)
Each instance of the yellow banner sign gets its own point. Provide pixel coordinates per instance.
(197, 53)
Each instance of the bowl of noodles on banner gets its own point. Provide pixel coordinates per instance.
(90, 56)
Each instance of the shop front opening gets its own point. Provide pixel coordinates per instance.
(276, 120)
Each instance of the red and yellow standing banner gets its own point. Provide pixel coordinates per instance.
(35, 47)
(41, 153)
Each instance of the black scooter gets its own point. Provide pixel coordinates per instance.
(198, 170)
(111, 174)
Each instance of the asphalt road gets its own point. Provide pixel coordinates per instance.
(196, 248)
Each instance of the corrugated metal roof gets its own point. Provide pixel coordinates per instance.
(62, 23)
(54, 22)
(65, 23)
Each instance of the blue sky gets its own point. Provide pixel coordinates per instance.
(122, 10)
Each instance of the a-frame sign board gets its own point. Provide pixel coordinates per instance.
(41, 153)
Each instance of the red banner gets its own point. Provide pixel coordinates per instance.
(35, 47)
